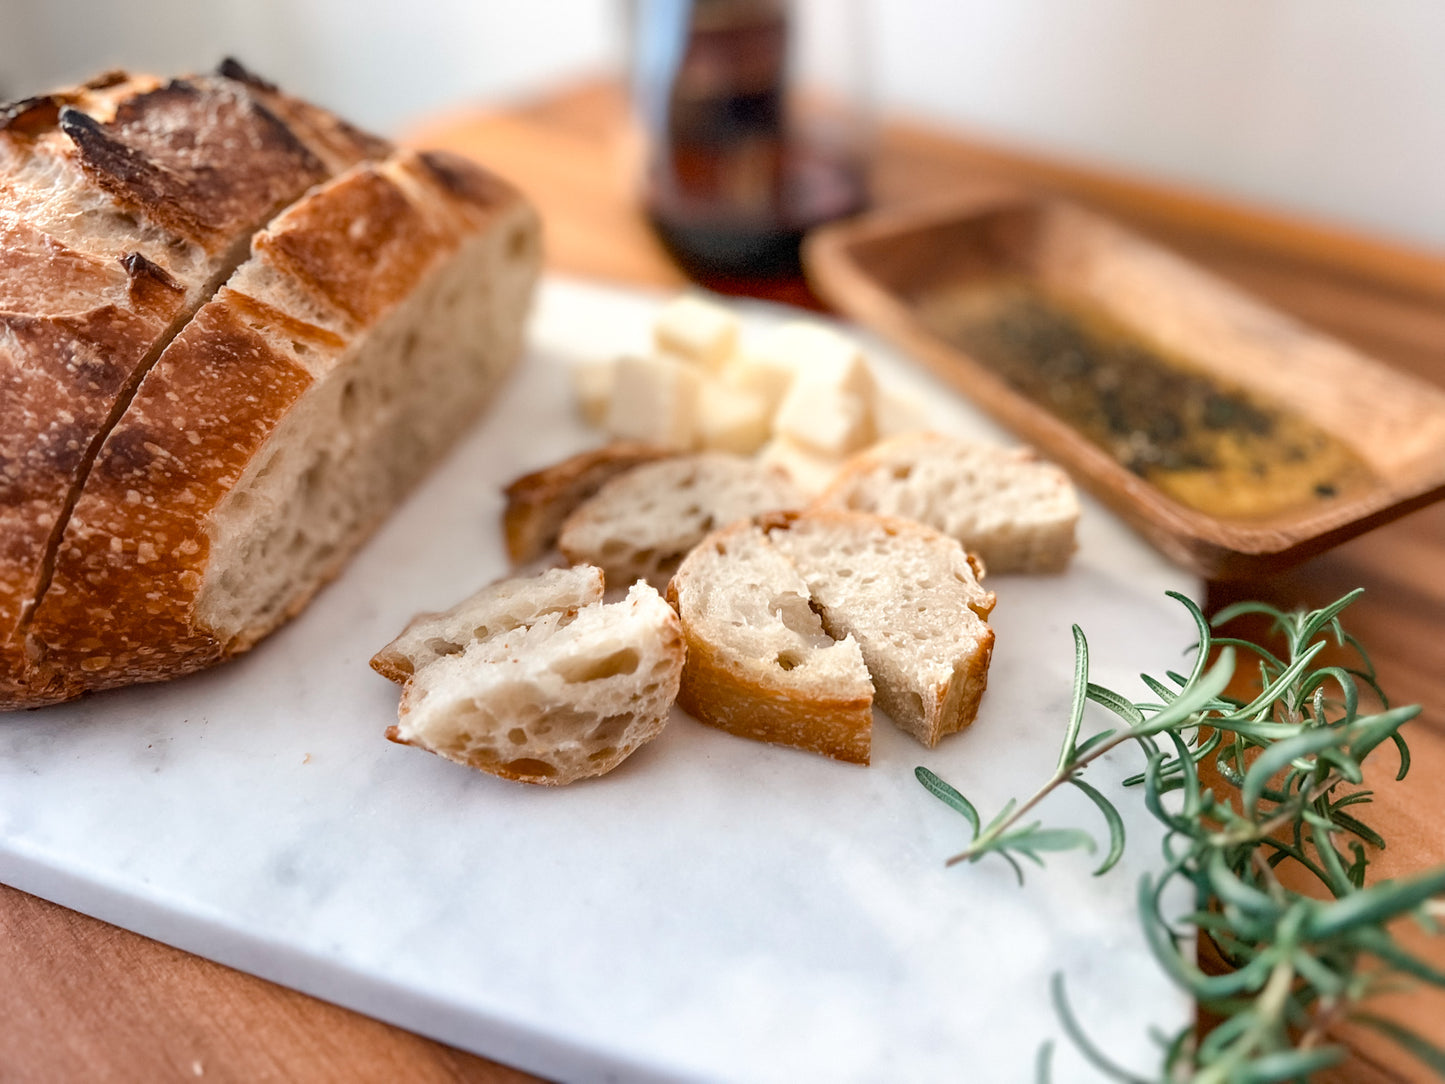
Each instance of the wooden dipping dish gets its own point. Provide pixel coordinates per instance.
(1236, 439)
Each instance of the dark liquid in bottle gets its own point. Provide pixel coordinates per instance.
(732, 186)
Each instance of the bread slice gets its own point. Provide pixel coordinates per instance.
(641, 524)
(555, 701)
(496, 609)
(912, 599)
(1008, 506)
(538, 503)
(281, 426)
(124, 203)
(759, 662)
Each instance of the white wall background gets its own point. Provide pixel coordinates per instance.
(1332, 108)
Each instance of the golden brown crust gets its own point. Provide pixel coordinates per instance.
(122, 605)
(134, 553)
(715, 694)
(538, 503)
(724, 696)
(71, 340)
(203, 159)
(334, 141)
(159, 155)
(959, 706)
(393, 665)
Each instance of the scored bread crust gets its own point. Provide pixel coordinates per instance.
(751, 669)
(539, 503)
(115, 225)
(1009, 506)
(137, 595)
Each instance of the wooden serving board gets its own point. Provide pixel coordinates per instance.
(86, 1000)
(914, 272)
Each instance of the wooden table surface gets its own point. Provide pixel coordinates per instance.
(82, 1000)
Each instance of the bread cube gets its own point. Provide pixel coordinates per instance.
(896, 413)
(825, 417)
(766, 377)
(655, 399)
(819, 354)
(731, 419)
(811, 471)
(592, 381)
(697, 330)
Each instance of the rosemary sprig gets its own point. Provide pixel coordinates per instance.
(1289, 767)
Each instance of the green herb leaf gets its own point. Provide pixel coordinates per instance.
(1114, 820)
(948, 795)
(1076, 708)
(1286, 761)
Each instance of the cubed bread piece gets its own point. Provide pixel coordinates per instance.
(496, 609)
(759, 663)
(697, 330)
(641, 524)
(555, 701)
(1016, 511)
(896, 413)
(818, 353)
(825, 417)
(592, 381)
(811, 471)
(911, 598)
(731, 419)
(761, 375)
(654, 399)
(539, 503)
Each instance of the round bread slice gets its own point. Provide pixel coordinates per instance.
(911, 597)
(553, 702)
(759, 662)
(497, 608)
(641, 524)
(1013, 509)
(539, 503)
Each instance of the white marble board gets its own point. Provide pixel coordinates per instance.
(715, 909)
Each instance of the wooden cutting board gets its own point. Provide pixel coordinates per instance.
(85, 1000)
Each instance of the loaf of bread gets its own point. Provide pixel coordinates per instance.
(1008, 506)
(642, 523)
(789, 616)
(238, 331)
(569, 696)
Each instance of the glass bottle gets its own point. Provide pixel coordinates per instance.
(754, 125)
